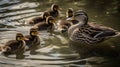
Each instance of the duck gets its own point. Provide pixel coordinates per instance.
(49, 26)
(54, 10)
(88, 35)
(64, 24)
(33, 41)
(39, 19)
(70, 14)
(16, 47)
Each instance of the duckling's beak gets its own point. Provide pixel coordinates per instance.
(38, 33)
(25, 38)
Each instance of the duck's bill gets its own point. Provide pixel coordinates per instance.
(37, 33)
(25, 38)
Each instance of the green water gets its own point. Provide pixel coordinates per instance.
(55, 51)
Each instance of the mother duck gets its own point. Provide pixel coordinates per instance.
(85, 37)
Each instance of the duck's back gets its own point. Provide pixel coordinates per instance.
(100, 26)
(107, 31)
(13, 44)
(41, 26)
(91, 33)
(36, 20)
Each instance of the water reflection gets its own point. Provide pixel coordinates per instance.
(55, 51)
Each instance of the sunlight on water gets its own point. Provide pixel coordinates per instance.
(55, 50)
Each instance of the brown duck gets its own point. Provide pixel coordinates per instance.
(64, 24)
(39, 19)
(54, 10)
(34, 41)
(87, 37)
(15, 46)
(49, 25)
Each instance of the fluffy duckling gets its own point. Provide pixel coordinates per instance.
(49, 25)
(88, 34)
(54, 11)
(39, 19)
(15, 46)
(34, 41)
(64, 24)
(70, 14)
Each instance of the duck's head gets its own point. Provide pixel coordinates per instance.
(69, 12)
(20, 37)
(50, 20)
(34, 32)
(55, 7)
(80, 16)
(45, 15)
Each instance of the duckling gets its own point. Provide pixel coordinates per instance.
(89, 37)
(34, 41)
(70, 14)
(64, 24)
(49, 25)
(54, 10)
(15, 46)
(39, 19)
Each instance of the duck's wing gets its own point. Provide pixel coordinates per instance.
(35, 20)
(28, 42)
(41, 26)
(83, 37)
(101, 30)
(13, 44)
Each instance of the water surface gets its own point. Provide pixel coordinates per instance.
(55, 51)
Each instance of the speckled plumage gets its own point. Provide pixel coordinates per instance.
(88, 33)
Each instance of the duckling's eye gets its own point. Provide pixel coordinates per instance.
(19, 38)
(34, 32)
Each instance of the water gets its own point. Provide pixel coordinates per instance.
(55, 51)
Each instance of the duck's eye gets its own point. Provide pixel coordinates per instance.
(34, 33)
(19, 38)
